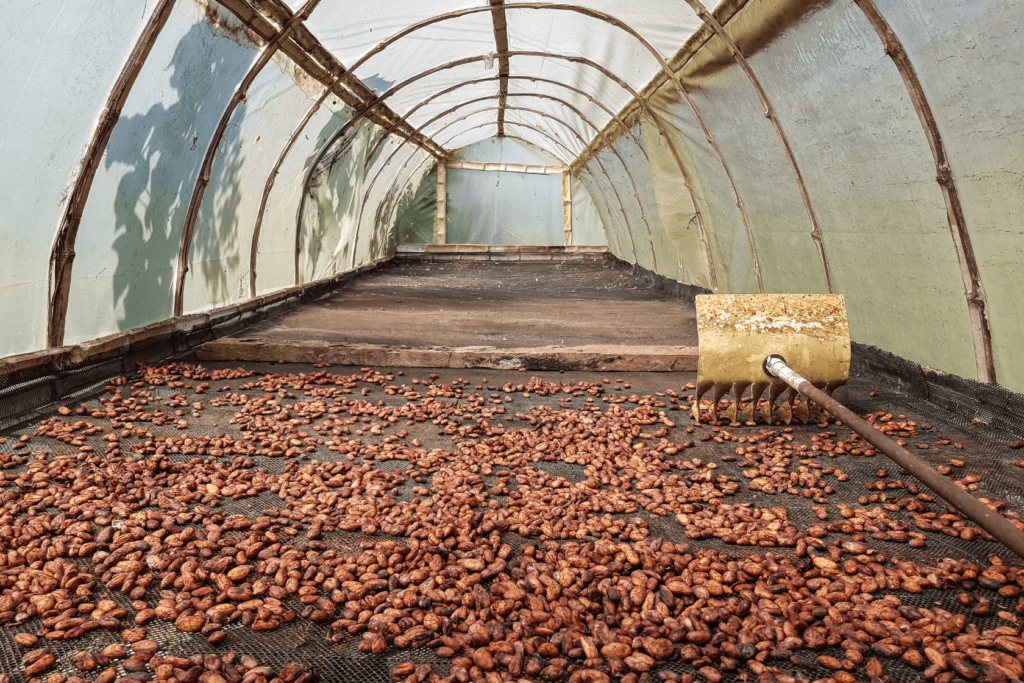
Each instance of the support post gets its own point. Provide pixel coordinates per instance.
(566, 208)
(441, 222)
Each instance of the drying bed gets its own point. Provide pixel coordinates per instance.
(454, 303)
(497, 525)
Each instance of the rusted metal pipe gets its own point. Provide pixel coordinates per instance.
(979, 513)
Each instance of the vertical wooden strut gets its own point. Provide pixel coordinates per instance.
(973, 288)
(441, 220)
(211, 151)
(566, 208)
(62, 253)
(769, 113)
(501, 46)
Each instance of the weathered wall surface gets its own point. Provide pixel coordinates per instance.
(490, 207)
(968, 56)
(587, 228)
(275, 260)
(259, 128)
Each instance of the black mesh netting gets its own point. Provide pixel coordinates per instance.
(984, 451)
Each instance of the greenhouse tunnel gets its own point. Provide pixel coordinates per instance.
(200, 191)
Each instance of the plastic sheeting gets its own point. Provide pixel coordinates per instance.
(62, 59)
(131, 229)
(490, 207)
(664, 192)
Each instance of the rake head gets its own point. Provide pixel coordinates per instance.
(736, 332)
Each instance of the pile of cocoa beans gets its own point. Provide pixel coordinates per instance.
(114, 519)
(137, 657)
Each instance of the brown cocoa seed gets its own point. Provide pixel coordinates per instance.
(115, 651)
(620, 650)
(25, 639)
(40, 665)
(639, 661)
(190, 623)
(133, 635)
(85, 661)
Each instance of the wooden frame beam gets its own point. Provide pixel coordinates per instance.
(506, 168)
(501, 48)
(441, 219)
(313, 58)
(974, 290)
(62, 253)
(566, 208)
(583, 142)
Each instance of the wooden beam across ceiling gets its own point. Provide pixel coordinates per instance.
(312, 57)
(501, 48)
(504, 167)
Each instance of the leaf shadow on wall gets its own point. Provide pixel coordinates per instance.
(215, 242)
(159, 148)
(414, 219)
(329, 190)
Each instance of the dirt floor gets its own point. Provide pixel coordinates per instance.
(503, 305)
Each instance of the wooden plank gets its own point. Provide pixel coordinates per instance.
(566, 208)
(505, 168)
(593, 357)
(441, 220)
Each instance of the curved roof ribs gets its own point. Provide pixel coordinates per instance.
(370, 107)
(971, 274)
(211, 151)
(574, 132)
(587, 12)
(503, 105)
(62, 253)
(447, 125)
(394, 179)
(769, 113)
(607, 18)
(391, 91)
(536, 79)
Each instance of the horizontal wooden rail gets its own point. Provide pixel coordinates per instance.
(506, 168)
